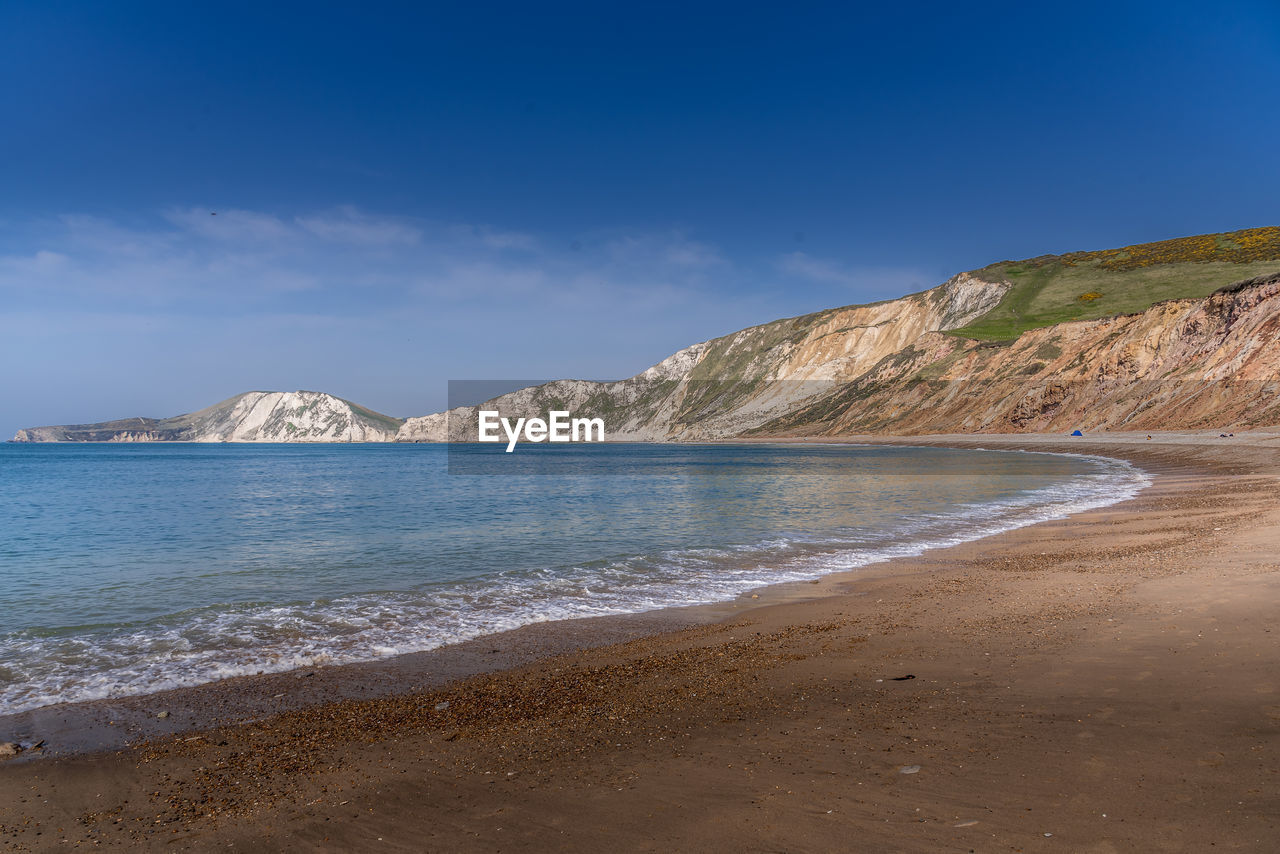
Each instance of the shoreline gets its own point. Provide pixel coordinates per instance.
(105, 724)
(802, 641)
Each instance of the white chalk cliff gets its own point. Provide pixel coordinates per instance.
(256, 416)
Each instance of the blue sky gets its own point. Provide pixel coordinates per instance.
(407, 194)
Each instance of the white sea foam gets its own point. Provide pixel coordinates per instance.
(215, 643)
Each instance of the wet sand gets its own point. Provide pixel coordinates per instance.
(1109, 682)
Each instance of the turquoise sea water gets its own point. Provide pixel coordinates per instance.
(127, 569)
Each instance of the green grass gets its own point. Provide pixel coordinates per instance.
(1046, 292)
(1089, 285)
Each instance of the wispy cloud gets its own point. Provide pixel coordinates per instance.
(341, 259)
(231, 226)
(42, 263)
(492, 238)
(349, 225)
(806, 266)
(346, 261)
(469, 280)
(666, 249)
(887, 280)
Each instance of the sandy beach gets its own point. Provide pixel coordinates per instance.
(1107, 682)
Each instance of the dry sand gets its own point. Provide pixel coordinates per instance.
(1109, 682)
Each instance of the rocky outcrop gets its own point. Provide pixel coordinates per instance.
(256, 416)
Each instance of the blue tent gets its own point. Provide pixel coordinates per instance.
(1076, 433)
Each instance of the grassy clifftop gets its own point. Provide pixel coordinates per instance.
(1089, 285)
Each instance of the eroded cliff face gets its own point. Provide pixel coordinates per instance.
(1195, 363)
(729, 385)
(892, 367)
(256, 416)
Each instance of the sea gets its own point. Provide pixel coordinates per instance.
(132, 568)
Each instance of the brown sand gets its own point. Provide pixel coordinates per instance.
(1110, 682)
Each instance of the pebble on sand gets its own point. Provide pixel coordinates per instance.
(10, 748)
(909, 769)
(162, 715)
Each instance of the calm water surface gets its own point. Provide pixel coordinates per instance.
(132, 568)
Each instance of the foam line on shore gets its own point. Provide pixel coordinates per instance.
(207, 645)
